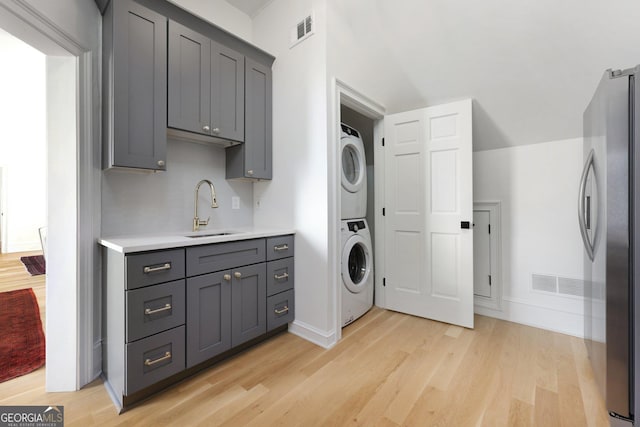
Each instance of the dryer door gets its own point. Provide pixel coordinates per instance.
(354, 168)
(356, 263)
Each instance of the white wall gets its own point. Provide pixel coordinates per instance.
(139, 202)
(222, 14)
(537, 185)
(22, 142)
(298, 194)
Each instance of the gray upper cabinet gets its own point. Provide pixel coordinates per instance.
(253, 159)
(135, 86)
(227, 99)
(206, 85)
(189, 80)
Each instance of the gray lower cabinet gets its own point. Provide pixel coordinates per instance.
(248, 303)
(253, 159)
(135, 86)
(209, 316)
(170, 310)
(206, 85)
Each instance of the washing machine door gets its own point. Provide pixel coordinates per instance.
(356, 263)
(354, 168)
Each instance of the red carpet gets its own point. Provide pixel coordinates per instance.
(21, 336)
(35, 264)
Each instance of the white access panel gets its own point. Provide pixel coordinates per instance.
(481, 253)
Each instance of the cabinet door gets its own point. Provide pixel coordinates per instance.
(249, 301)
(189, 80)
(208, 316)
(139, 109)
(253, 158)
(227, 98)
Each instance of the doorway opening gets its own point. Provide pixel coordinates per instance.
(72, 178)
(360, 111)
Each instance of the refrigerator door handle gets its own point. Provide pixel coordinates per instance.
(583, 205)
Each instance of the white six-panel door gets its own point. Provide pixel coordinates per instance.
(429, 193)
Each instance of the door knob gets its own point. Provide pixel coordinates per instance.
(206, 128)
(161, 163)
(250, 172)
(237, 275)
(216, 130)
(227, 277)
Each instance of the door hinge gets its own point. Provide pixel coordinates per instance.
(384, 281)
(489, 280)
(383, 142)
(489, 228)
(384, 211)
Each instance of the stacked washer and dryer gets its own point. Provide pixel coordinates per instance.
(357, 251)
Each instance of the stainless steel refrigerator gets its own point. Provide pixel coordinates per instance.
(609, 219)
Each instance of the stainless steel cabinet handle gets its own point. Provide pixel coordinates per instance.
(282, 276)
(161, 163)
(149, 362)
(250, 172)
(237, 275)
(206, 128)
(216, 130)
(165, 266)
(148, 311)
(582, 206)
(285, 309)
(227, 277)
(281, 248)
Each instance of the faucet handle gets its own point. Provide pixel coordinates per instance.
(204, 221)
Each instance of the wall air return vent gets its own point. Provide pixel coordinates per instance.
(302, 31)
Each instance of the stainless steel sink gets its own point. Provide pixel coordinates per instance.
(224, 233)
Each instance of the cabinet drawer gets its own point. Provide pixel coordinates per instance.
(154, 267)
(155, 309)
(279, 276)
(224, 256)
(279, 247)
(280, 309)
(154, 358)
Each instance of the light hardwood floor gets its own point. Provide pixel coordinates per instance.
(390, 369)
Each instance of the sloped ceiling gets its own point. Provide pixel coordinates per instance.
(250, 7)
(530, 65)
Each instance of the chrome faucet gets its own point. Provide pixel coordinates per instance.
(197, 222)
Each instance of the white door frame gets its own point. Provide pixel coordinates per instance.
(71, 344)
(343, 94)
(3, 208)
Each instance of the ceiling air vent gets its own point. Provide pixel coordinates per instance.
(302, 31)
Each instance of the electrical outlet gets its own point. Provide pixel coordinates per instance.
(235, 202)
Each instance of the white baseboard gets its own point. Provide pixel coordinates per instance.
(525, 313)
(24, 246)
(325, 339)
(96, 365)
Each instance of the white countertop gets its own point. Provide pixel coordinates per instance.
(150, 242)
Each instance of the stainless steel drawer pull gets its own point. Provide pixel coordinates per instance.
(149, 362)
(281, 277)
(165, 266)
(285, 309)
(281, 248)
(148, 311)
